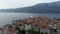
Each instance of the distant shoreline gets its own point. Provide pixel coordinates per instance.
(29, 12)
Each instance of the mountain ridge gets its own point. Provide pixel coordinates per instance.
(53, 7)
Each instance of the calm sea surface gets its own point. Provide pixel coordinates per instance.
(7, 18)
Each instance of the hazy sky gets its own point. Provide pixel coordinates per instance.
(21, 3)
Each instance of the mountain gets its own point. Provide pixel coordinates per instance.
(53, 7)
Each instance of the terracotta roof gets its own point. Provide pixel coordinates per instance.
(3, 29)
(13, 30)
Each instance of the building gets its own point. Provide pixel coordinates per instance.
(4, 31)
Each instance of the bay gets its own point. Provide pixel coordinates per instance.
(7, 17)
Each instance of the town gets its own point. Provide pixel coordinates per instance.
(32, 25)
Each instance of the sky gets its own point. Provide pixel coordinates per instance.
(6, 4)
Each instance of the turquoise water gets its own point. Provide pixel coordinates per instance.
(7, 18)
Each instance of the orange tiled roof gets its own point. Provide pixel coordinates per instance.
(3, 29)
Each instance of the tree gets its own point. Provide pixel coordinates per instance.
(55, 30)
(18, 30)
(23, 31)
(41, 33)
(33, 32)
(46, 33)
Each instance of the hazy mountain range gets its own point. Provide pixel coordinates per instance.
(53, 7)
